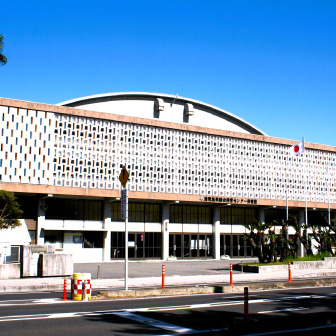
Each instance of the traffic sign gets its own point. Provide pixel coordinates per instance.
(124, 204)
(123, 177)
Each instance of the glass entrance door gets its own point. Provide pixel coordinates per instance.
(175, 245)
(141, 245)
(190, 245)
(235, 246)
(204, 246)
(194, 246)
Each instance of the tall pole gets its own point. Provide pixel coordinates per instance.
(305, 179)
(328, 195)
(286, 172)
(126, 252)
(124, 201)
(123, 178)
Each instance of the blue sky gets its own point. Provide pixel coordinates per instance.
(273, 63)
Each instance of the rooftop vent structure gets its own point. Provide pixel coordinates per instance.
(189, 109)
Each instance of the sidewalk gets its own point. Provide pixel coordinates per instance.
(222, 278)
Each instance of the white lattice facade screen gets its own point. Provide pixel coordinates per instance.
(82, 152)
(27, 146)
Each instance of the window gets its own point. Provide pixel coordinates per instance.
(250, 215)
(190, 214)
(274, 214)
(116, 212)
(175, 213)
(153, 242)
(237, 216)
(153, 213)
(54, 238)
(225, 215)
(205, 215)
(138, 212)
(92, 239)
(93, 210)
(32, 235)
(117, 245)
(74, 209)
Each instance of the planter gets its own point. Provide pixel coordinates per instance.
(326, 263)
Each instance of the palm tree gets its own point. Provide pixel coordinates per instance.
(258, 240)
(3, 58)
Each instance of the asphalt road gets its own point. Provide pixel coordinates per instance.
(311, 311)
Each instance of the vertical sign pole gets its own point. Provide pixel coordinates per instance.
(126, 244)
(123, 178)
(124, 215)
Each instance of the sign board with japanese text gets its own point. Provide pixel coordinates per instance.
(124, 204)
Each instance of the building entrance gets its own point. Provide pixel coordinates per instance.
(190, 245)
(141, 245)
(234, 245)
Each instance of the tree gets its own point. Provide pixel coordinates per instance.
(259, 239)
(324, 234)
(10, 211)
(3, 58)
(300, 238)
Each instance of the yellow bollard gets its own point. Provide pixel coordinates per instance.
(77, 290)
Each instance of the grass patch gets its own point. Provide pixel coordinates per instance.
(312, 257)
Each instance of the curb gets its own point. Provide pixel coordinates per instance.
(212, 289)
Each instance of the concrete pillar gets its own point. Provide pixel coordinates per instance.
(165, 231)
(107, 233)
(216, 233)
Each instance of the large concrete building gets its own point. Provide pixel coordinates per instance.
(197, 175)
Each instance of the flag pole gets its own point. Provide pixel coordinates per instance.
(286, 172)
(305, 179)
(328, 195)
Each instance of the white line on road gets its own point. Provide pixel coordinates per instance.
(151, 309)
(155, 323)
(28, 302)
(292, 330)
(282, 310)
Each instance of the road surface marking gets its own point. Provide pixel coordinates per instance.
(292, 330)
(150, 309)
(282, 310)
(155, 323)
(25, 302)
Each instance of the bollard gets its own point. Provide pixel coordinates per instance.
(289, 272)
(163, 276)
(98, 272)
(77, 292)
(84, 294)
(65, 291)
(246, 309)
(231, 281)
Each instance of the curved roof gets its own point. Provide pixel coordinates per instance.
(118, 96)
